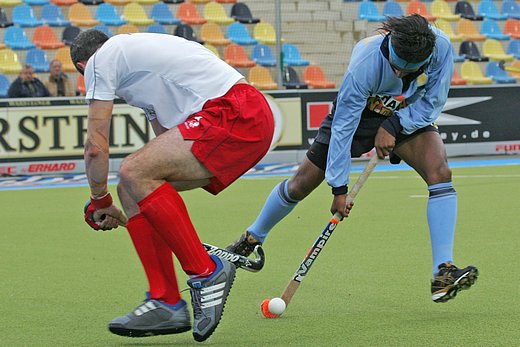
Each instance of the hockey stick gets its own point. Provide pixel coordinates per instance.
(320, 242)
(238, 260)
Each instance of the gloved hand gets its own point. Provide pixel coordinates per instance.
(102, 214)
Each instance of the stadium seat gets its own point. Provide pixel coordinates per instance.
(263, 55)
(4, 85)
(470, 50)
(260, 77)
(456, 57)
(107, 14)
(105, 29)
(445, 26)
(10, 3)
(465, 10)
(211, 33)
(491, 30)
(135, 14)
(392, 9)
(456, 80)
(493, 50)
(226, 1)
(23, 16)
(147, 2)
(63, 55)
(488, 10)
(514, 48)
(127, 29)
(69, 34)
(241, 13)
(80, 85)
(472, 73)
(37, 58)
(161, 14)
(212, 48)
(236, 56)
(119, 2)
(186, 31)
(511, 9)
(238, 33)
(173, 1)
(314, 76)
(156, 29)
(469, 31)
(92, 2)
(292, 57)
(199, 1)
(79, 15)
(514, 69)
(51, 15)
(64, 2)
(4, 20)
(498, 74)
(45, 38)
(291, 80)
(188, 14)
(36, 2)
(265, 33)
(441, 9)
(16, 38)
(512, 28)
(418, 7)
(367, 10)
(9, 63)
(215, 12)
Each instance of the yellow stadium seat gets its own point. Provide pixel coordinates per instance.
(469, 31)
(127, 29)
(63, 55)
(472, 73)
(215, 12)
(493, 50)
(9, 62)
(212, 48)
(79, 15)
(147, 2)
(10, 3)
(211, 33)
(445, 26)
(135, 14)
(264, 33)
(441, 9)
(514, 69)
(261, 78)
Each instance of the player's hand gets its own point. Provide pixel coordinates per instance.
(104, 219)
(384, 143)
(339, 204)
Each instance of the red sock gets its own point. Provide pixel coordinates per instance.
(166, 212)
(157, 260)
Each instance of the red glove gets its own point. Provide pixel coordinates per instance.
(89, 210)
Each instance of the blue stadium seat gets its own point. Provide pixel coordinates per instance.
(23, 15)
(4, 85)
(36, 2)
(292, 57)
(368, 10)
(52, 16)
(488, 9)
(511, 9)
(491, 30)
(263, 55)
(16, 38)
(238, 33)
(514, 48)
(161, 14)
(498, 75)
(107, 14)
(156, 29)
(104, 28)
(37, 58)
(392, 9)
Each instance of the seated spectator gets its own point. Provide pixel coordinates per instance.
(58, 83)
(27, 86)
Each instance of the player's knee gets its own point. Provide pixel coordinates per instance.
(442, 174)
(298, 190)
(127, 175)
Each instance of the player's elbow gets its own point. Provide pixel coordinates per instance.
(91, 150)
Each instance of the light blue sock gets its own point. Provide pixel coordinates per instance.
(442, 217)
(276, 207)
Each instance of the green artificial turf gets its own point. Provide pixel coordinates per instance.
(61, 282)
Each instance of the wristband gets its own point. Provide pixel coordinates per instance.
(102, 202)
(339, 190)
(392, 125)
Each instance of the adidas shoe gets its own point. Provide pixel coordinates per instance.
(208, 297)
(153, 317)
(244, 245)
(450, 279)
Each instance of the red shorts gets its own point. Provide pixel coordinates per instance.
(231, 134)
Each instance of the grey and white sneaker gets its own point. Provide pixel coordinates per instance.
(208, 297)
(152, 318)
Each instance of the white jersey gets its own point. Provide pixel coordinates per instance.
(168, 77)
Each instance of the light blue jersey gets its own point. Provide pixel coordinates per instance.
(371, 81)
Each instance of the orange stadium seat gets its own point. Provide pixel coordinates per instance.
(64, 2)
(314, 76)
(45, 38)
(127, 29)
(188, 13)
(419, 7)
(514, 69)
(469, 31)
(512, 28)
(456, 80)
(236, 56)
(211, 33)
(80, 85)
(79, 14)
(261, 78)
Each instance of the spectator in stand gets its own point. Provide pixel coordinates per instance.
(27, 86)
(58, 83)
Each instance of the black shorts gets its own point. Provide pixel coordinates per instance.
(362, 142)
